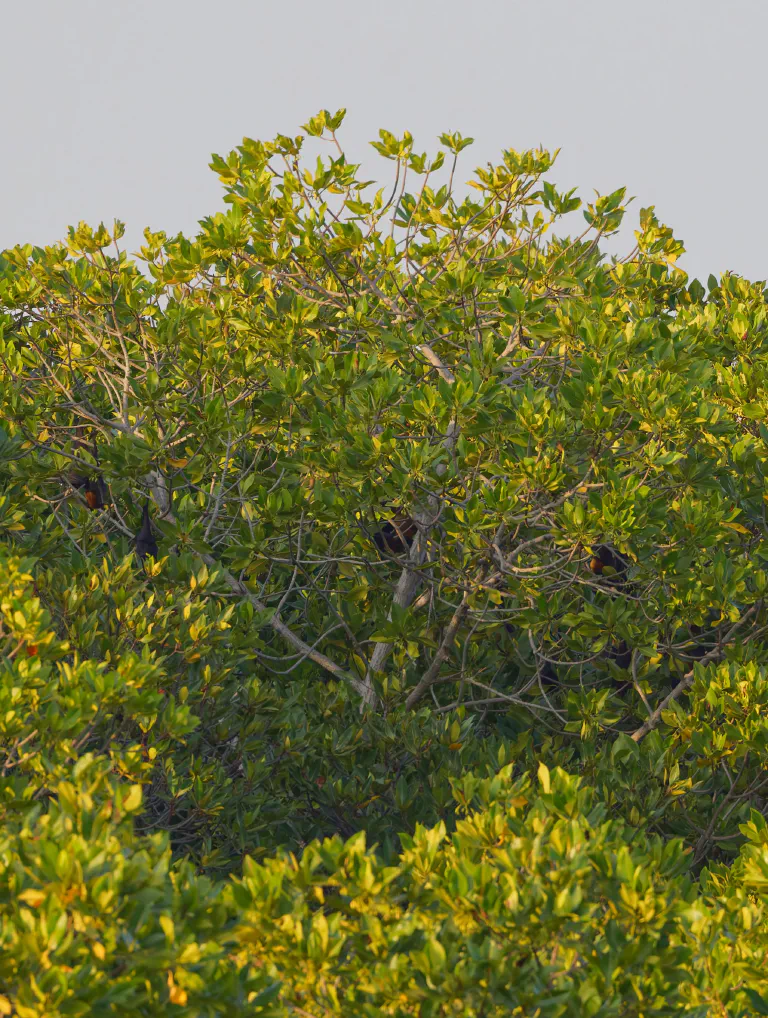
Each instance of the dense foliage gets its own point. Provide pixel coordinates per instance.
(445, 692)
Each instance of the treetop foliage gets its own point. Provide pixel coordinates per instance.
(435, 683)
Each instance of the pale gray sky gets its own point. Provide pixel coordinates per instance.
(111, 109)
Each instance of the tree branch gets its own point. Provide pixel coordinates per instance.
(441, 656)
(687, 680)
(160, 495)
(410, 578)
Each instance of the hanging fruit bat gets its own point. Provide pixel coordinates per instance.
(395, 536)
(92, 486)
(95, 493)
(145, 540)
(608, 563)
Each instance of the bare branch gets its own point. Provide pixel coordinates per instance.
(441, 656)
(687, 680)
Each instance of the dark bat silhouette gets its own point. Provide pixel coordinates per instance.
(145, 541)
(621, 654)
(395, 536)
(607, 562)
(94, 493)
(93, 487)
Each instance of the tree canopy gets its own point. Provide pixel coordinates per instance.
(435, 681)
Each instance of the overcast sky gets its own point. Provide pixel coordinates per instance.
(112, 109)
